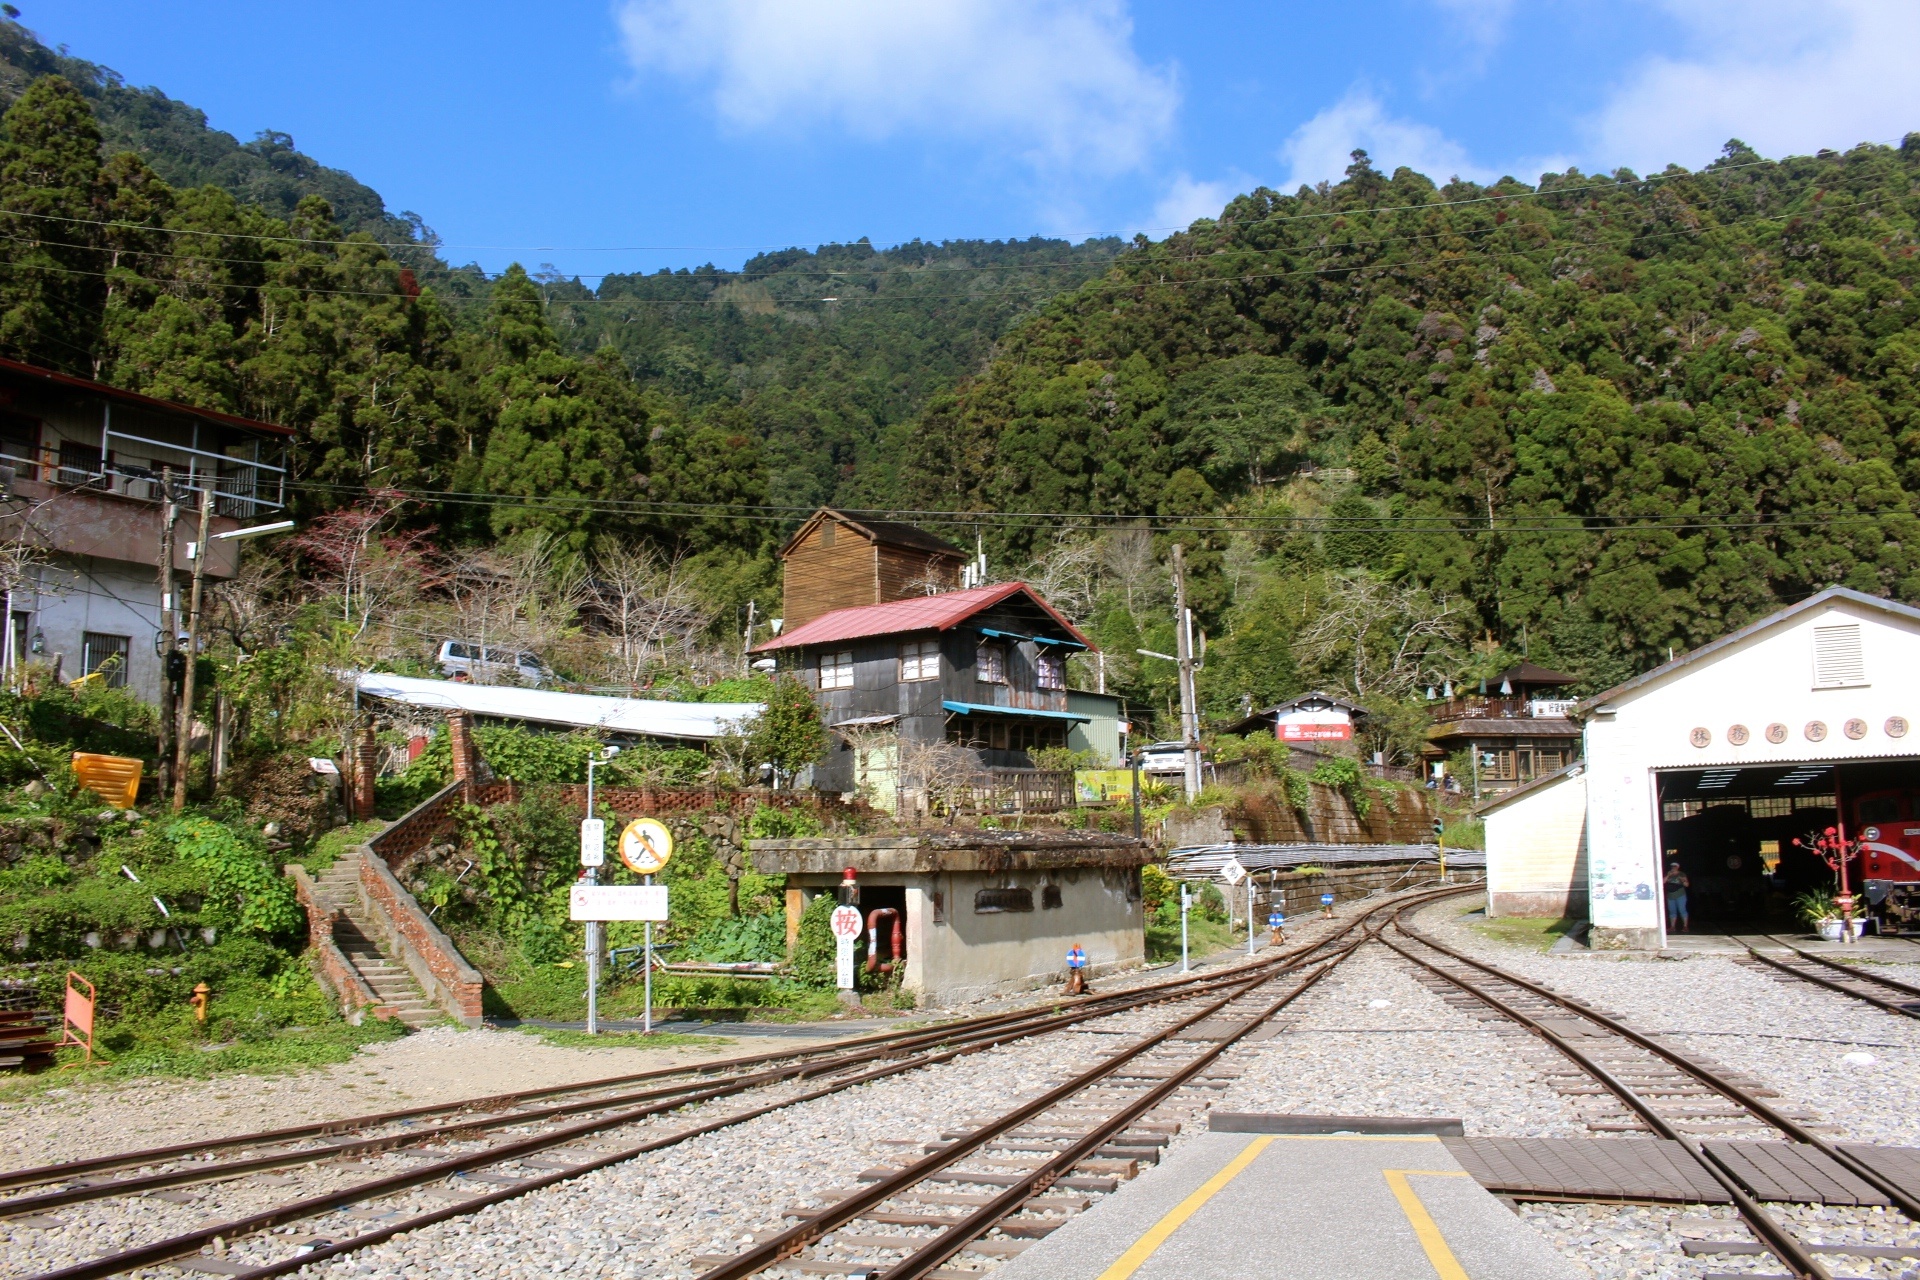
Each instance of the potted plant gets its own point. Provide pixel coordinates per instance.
(1822, 915)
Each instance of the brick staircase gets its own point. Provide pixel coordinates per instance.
(338, 887)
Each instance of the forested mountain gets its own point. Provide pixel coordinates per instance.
(1405, 433)
(1590, 420)
(833, 352)
(176, 141)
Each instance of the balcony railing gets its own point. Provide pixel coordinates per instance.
(1491, 708)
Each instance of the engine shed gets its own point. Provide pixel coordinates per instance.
(984, 913)
(1719, 761)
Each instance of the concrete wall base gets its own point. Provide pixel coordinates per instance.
(1549, 904)
(1623, 939)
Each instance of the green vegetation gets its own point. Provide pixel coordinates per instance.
(1534, 933)
(565, 1038)
(1207, 928)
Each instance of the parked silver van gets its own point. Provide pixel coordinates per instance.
(488, 665)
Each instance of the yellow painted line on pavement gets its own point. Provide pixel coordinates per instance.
(1423, 1224)
(1359, 1137)
(1143, 1248)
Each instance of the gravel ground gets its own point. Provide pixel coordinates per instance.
(435, 1065)
(1798, 1038)
(1643, 1242)
(1369, 1040)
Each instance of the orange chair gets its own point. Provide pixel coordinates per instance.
(115, 779)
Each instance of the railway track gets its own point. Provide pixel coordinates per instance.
(1659, 1090)
(472, 1155)
(1856, 981)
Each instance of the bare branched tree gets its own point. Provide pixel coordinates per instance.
(1068, 574)
(945, 773)
(1128, 558)
(649, 607)
(523, 600)
(1386, 634)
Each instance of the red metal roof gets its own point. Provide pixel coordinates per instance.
(922, 613)
(133, 397)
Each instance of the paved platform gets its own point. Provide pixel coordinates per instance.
(1236, 1206)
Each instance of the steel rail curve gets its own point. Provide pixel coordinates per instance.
(920, 1048)
(1789, 1250)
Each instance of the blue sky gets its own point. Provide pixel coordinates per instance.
(647, 133)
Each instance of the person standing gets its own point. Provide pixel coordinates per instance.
(1677, 883)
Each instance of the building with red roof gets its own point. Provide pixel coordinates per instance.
(986, 668)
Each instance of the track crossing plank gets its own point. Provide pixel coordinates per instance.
(1788, 1172)
(1587, 1168)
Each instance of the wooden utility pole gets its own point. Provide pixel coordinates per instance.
(183, 736)
(169, 513)
(1189, 715)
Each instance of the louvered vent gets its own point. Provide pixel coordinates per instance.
(1839, 659)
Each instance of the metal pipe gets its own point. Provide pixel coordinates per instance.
(896, 943)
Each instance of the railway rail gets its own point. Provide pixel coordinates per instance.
(1856, 981)
(513, 1144)
(1666, 1092)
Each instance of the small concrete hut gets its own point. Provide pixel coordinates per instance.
(986, 912)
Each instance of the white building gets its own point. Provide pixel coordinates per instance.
(1540, 830)
(1721, 759)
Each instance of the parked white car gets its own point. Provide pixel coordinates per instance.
(488, 665)
(1163, 757)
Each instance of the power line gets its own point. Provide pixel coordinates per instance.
(1224, 522)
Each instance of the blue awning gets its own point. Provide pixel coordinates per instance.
(982, 709)
(1015, 635)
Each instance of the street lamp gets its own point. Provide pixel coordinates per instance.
(592, 876)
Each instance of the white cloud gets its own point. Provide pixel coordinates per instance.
(1785, 76)
(1057, 81)
(1321, 148)
(1187, 198)
(1483, 22)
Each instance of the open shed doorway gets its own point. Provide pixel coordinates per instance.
(1733, 830)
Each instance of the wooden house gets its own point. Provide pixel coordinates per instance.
(984, 668)
(838, 562)
(1513, 735)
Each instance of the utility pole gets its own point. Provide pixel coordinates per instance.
(169, 513)
(746, 643)
(183, 736)
(1189, 716)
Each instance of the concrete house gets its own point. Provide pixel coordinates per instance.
(80, 463)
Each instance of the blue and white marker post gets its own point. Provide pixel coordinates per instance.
(1186, 904)
(1277, 921)
(1326, 904)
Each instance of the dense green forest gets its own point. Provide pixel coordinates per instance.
(1404, 432)
(1409, 432)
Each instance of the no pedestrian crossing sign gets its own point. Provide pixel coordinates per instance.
(646, 845)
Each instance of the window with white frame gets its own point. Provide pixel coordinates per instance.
(920, 660)
(836, 670)
(990, 663)
(1050, 671)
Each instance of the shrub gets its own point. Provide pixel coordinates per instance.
(815, 950)
(732, 939)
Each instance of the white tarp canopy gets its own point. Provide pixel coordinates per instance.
(692, 721)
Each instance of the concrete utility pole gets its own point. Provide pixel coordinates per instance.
(746, 643)
(1189, 715)
(169, 513)
(184, 735)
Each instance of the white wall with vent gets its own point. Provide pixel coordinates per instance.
(1836, 678)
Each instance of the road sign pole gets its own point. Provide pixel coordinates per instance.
(646, 1021)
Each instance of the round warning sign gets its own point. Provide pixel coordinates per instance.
(846, 922)
(646, 845)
